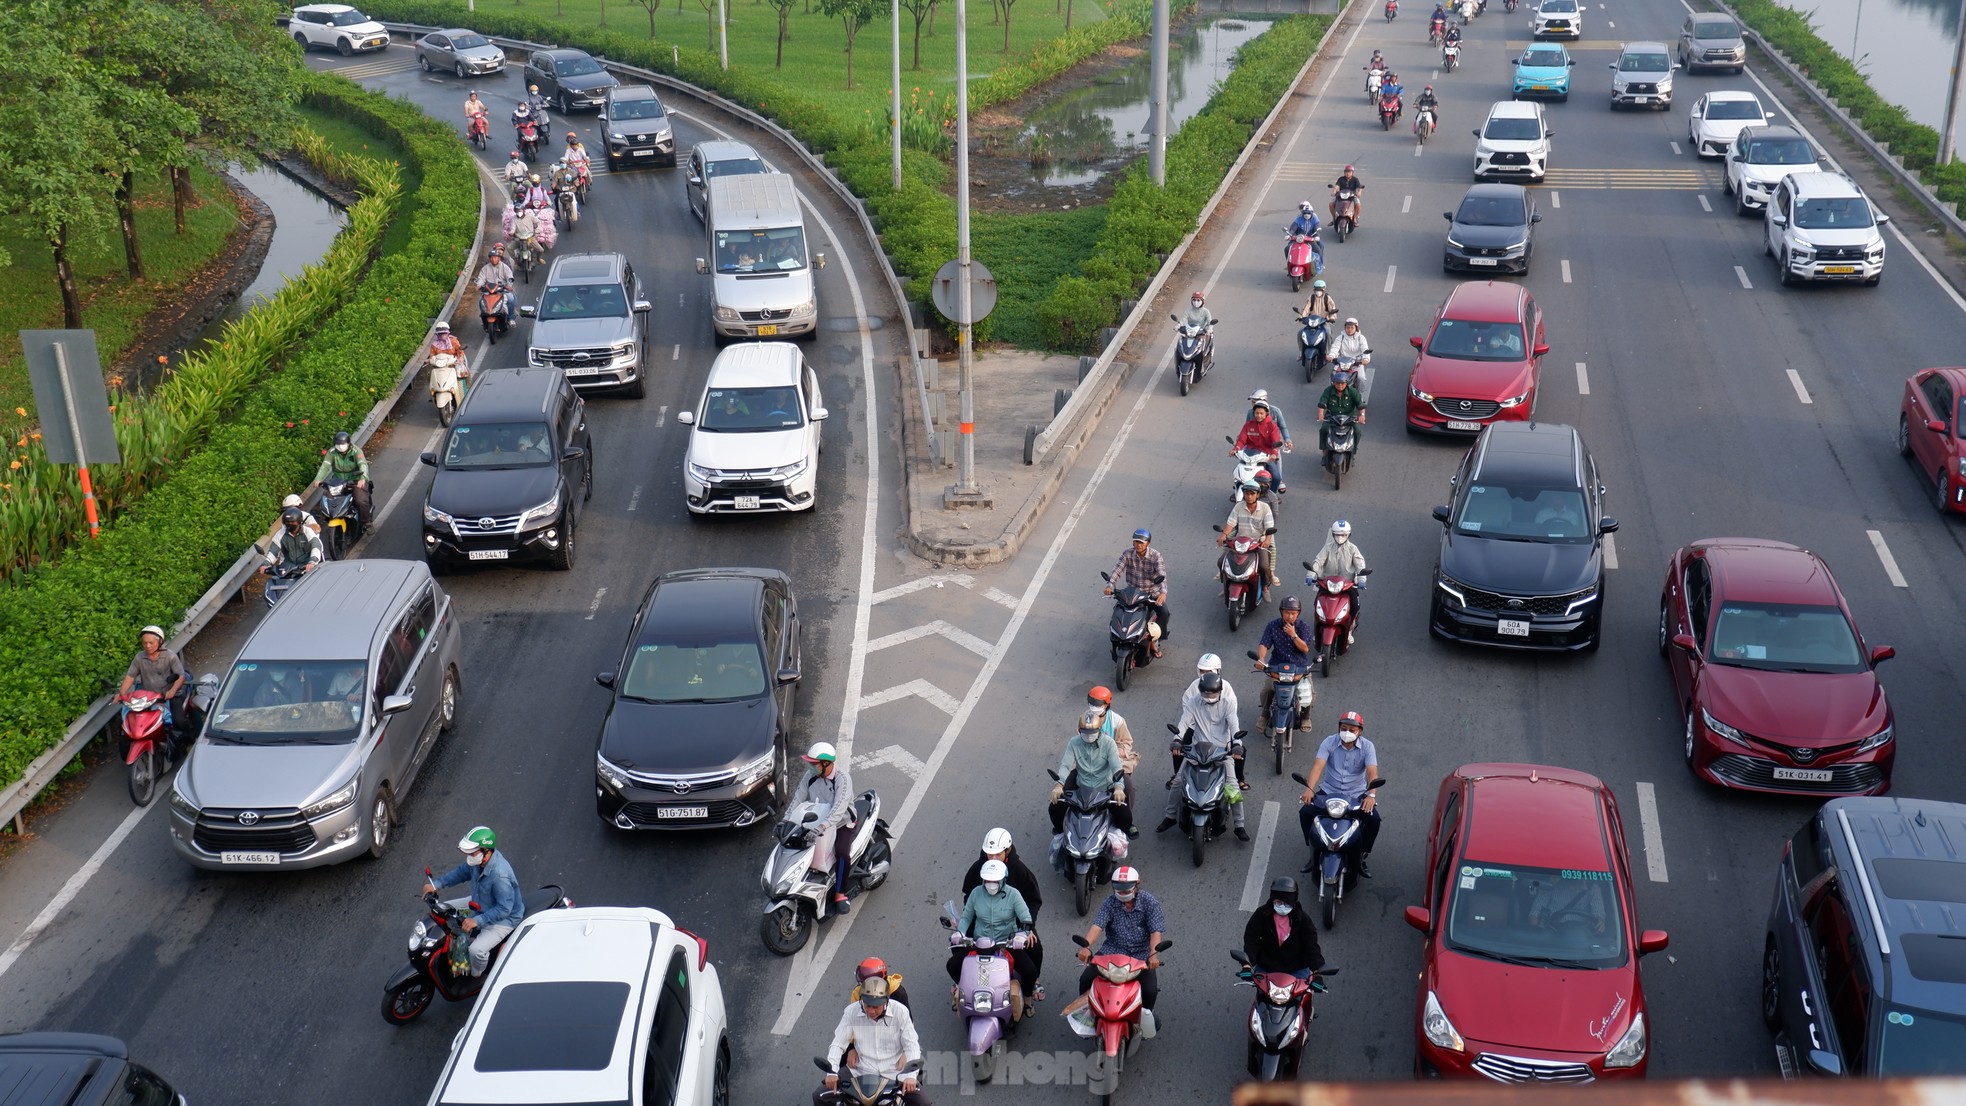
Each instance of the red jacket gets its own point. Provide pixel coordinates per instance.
(1260, 436)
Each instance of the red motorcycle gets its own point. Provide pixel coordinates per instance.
(1279, 1019)
(1337, 617)
(439, 942)
(146, 743)
(1300, 260)
(1117, 1018)
(1389, 109)
(528, 140)
(478, 131)
(1244, 583)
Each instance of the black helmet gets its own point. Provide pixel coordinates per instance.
(1284, 889)
(290, 516)
(1290, 603)
(1210, 686)
(340, 436)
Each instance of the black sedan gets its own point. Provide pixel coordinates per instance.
(699, 733)
(465, 53)
(1492, 231)
(569, 78)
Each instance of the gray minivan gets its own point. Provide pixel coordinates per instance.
(76, 1069)
(321, 725)
(761, 278)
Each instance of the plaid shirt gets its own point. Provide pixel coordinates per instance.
(1139, 569)
(1129, 931)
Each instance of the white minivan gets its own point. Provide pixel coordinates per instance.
(1821, 226)
(762, 284)
(754, 436)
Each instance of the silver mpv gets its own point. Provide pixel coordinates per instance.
(321, 725)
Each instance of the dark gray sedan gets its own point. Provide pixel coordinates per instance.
(1492, 230)
(465, 53)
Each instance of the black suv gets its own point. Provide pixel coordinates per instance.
(637, 127)
(514, 470)
(570, 78)
(1522, 544)
(76, 1069)
(1864, 968)
(699, 733)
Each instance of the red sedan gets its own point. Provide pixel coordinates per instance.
(1932, 433)
(1479, 362)
(1778, 690)
(1530, 973)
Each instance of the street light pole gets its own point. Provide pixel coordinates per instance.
(966, 453)
(1157, 150)
(1946, 149)
(895, 78)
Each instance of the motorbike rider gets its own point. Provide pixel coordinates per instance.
(1280, 936)
(827, 784)
(516, 171)
(997, 845)
(1283, 642)
(1091, 758)
(494, 889)
(1437, 22)
(1341, 557)
(1453, 36)
(1389, 93)
(1198, 313)
(537, 194)
(1339, 398)
(1209, 662)
(1306, 223)
(443, 341)
(538, 104)
(307, 520)
(157, 669)
(562, 177)
(577, 159)
(525, 231)
(1129, 922)
(345, 462)
(1253, 518)
(496, 273)
(995, 909)
(1427, 102)
(523, 117)
(877, 1037)
(875, 966)
(474, 111)
(1348, 181)
(1320, 302)
(1260, 433)
(1113, 724)
(1141, 566)
(1351, 342)
(1346, 762)
(294, 545)
(1207, 720)
(1261, 396)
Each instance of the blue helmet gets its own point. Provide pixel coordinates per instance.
(1143, 534)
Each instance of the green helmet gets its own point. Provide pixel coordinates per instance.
(480, 837)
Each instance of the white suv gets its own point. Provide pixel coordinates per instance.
(1514, 142)
(1761, 157)
(1821, 226)
(1557, 19)
(754, 438)
(1642, 75)
(336, 25)
(596, 1004)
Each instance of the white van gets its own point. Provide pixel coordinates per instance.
(761, 274)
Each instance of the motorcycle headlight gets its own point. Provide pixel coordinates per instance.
(1335, 807)
(435, 517)
(1630, 1048)
(1880, 738)
(755, 772)
(980, 1002)
(1516, 401)
(542, 513)
(1278, 994)
(1334, 585)
(610, 773)
(1716, 726)
(1413, 390)
(343, 796)
(1441, 1032)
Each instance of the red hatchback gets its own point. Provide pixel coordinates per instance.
(1932, 433)
(1479, 362)
(1530, 974)
(1778, 690)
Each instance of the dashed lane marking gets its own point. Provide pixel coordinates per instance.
(1564, 264)
(910, 765)
(635, 498)
(1704, 205)
(1556, 198)
(1655, 842)
(1742, 275)
(661, 414)
(1406, 206)
(1674, 143)
(963, 638)
(1610, 551)
(1583, 380)
(1392, 272)
(1256, 885)
(1801, 392)
(936, 697)
(594, 607)
(1890, 562)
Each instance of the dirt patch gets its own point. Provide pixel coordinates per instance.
(182, 314)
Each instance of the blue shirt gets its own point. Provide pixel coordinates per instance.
(1305, 223)
(1281, 649)
(493, 887)
(1344, 765)
(1129, 931)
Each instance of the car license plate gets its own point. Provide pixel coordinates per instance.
(1481, 261)
(747, 502)
(1539, 87)
(644, 153)
(591, 370)
(489, 554)
(1803, 775)
(1839, 270)
(1512, 627)
(248, 858)
(1456, 424)
(767, 331)
(682, 812)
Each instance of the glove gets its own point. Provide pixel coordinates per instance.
(1119, 794)
(1057, 792)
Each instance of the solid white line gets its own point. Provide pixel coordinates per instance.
(1801, 393)
(913, 586)
(1890, 562)
(1655, 844)
(676, 353)
(963, 638)
(1255, 886)
(1564, 264)
(74, 885)
(1583, 380)
(409, 482)
(1704, 205)
(1610, 551)
(662, 414)
(1406, 206)
(635, 498)
(1742, 274)
(1675, 147)
(1392, 271)
(1556, 198)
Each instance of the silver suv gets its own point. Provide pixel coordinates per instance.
(1821, 226)
(1642, 75)
(319, 730)
(591, 323)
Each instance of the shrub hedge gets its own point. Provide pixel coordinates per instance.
(69, 627)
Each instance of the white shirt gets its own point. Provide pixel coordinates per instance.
(883, 1044)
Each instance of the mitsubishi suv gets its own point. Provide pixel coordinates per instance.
(754, 436)
(591, 323)
(1821, 226)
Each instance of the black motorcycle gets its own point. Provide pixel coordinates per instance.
(1194, 352)
(1313, 334)
(1085, 856)
(1132, 639)
(1335, 846)
(341, 523)
(1290, 705)
(428, 974)
(1341, 445)
(1204, 782)
(865, 1090)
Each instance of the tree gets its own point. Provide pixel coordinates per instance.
(1004, 5)
(853, 15)
(650, 6)
(784, 10)
(710, 22)
(918, 10)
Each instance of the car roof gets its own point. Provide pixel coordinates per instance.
(1756, 570)
(587, 267)
(1732, 94)
(632, 92)
(1771, 130)
(1912, 854)
(511, 393)
(329, 8)
(561, 54)
(59, 1069)
(1541, 453)
(1535, 814)
(1515, 109)
(1484, 301)
(755, 365)
(1642, 46)
(724, 149)
(1822, 184)
(312, 623)
(704, 600)
(454, 31)
(1495, 190)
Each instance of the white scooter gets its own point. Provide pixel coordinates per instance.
(800, 894)
(447, 377)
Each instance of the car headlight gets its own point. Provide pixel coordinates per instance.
(728, 314)
(1413, 390)
(542, 513)
(1875, 252)
(1630, 1048)
(1516, 401)
(700, 474)
(1716, 726)
(183, 805)
(1880, 738)
(809, 307)
(624, 347)
(1441, 1032)
(1584, 600)
(435, 517)
(343, 796)
(1802, 253)
(795, 469)
(617, 137)
(757, 771)
(610, 774)
(1448, 586)
(1452, 241)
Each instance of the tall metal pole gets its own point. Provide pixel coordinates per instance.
(1946, 150)
(723, 36)
(1157, 152)
(896, 109)
(966, 470)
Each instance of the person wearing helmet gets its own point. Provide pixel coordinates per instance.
(1428, 102)
(1280, 935)
(1349, 342)
(538, 104)
(997, 846)
(1130, 922)
(494, 889)
(1306, 224)
(1209, 662)
(577, 159)
(1346, 763)
(996, 910)
(293, 545)
(1320, 301)
(1348, 181)
(525, 230)
(1198, 313)
(496, 275)
(538, 196)
(475, 113)
(157, 669)
(346, 462)
(1208, 721)
(1251, 517)
(1261, 434)
(1092, 762)
(875, 967)
(526, 125)
(875, 1038)
(1262, 396)
(1284, 642)
(1341, 557)
(516, 170)
(1141, 566)
(1113, 724)
(307, 520)
(828, 786)
(443, 341)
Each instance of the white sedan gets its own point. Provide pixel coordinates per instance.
(1717, 118)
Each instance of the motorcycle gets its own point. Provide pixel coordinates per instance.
(1436, 30)
(1194, 352)
(1508, 5)
(1280, 1018)
(528, 140)
(1290, 705)
(1375, 75)
(1244, 583)
(1133, 630)
(1112, 1012)
(526, 256)
(1337, 616)
(1204, 780)
(1392, 10)
(1389, 109)
(1300, 260)
(1341, 445)
(478, 131)
(865, 1090)
(1450, 56)
(491, 311)
(1353, 365)
(568, 205)
(1423, 124)
(1344, 213)
(802, 895)
(447, 379)
(1334, 852)
(143, 732)
(437, 946)
(341, 523)
(1313, 333)
(1251, 464)
(280, 579)
(1091, 848)
(992, 1002)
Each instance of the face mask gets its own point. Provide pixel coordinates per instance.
(1341, 538)
(476, 860)
(1280, 907)
(1091, 736)
(993, 888)
(342, 448)
(1349, 737)
(1125, 896)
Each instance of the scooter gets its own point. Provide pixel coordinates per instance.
(527, 255)
(1112, 1013)
(1353, 365)
(1290, 705)
(341, 523)
(1280, 1018)
(1508, 5)
(1389, 109)
(1344, 214)
(991, 1001)
(1334, 852)
(1251, 464)
(1392, 10)
(447, 378)
(280, 579)
(436, 945)
(1337, 616)
(1244, 583)
(1194, 352)
(528, 140)
(1091, 848)
(491, 312)
(1340, 446)
(865, 1090)
(1313, 333)
(1375, 75)
(1133, 630)
(801, 895)
(567, 203)
(1423, 125)
(146, 744)
(478, 131)
(1436, 30)
(1450, 57)
(1300, 260)
(1204, 779)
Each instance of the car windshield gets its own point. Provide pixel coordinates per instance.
(1560, 917)
(291, 703)
(1489, 211)
(1467, 340)
(1719, 28)
(694, 672)
(733, 167)
(577, 67)
(740, 410)
(1781, 151)
(1513, 128)
(498, 445)
(1734, 109)
(1917, 1042)
(349, 18)
(1560, 7)
(1544, 59)
(1783, 637)
(583, 301)
(1644, 63)
(469, 40)
(1524, 514)
(761, 251)
(637, 109)
(1837, 213)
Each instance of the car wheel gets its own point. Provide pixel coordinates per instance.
(382, 820)
(562, 558)
(587, 478)
(447, 703)
(1771, 984)
(1726, 185)
(1939, 492)
(1788, 274)
(346, 47)
(302, 40)
(1904, 436)
(1690, 736)
(423, 63)
(720, 1076)
(566, 105)
(1872, 282)
(638, 387)
(459, 71)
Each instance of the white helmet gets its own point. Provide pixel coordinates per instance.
(1303, 205)
(1260, 393)
(1209, 662)
(996, 841)
(1341, 529)
(994, 871)
(290, 501)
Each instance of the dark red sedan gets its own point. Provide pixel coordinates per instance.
(1479, 361)
(1778, 689)
(1530, 973)
(1932, 433)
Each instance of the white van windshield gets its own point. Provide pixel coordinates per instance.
(780, 249)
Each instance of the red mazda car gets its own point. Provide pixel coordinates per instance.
(1479, 362)
(1932, 433)
(1778, 690)
(1530, 973)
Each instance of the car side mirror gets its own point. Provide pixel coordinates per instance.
(1825, 1063)
(1572, 61)
(1476, 132)
(1613, 65)
(530, 311)
(642, 307)
(1416, 342)
(605, 679)
(1440, 514)
(1881, 654)
(1779, 220)
(1607, 525)
(694, 179)
(1536, 218)
(1935, 426)
(789, 674)
(428, 459)
(1420, 918)
(687, 418)
(1880, 217)
(1515, 61)
(701, 267)
(1549, 133)
(1686, 642)
(1447, 215)
(819, 414)
(1539, 350)
(572, 453)
(1768, 115)
(1651, 941)
(396, 704)
(819, 260)
(602, 118)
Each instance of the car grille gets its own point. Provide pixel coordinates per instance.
(721, 811)
(1513, 604)
(1480, 251)
(1517, 1069)
(1805, 755)
(276, 831)
(1466, 408)
(738, 482)
(488, 526)
(1508, 157)
(684, 785)
(1739, 770)
(765, 316)
(1840, 253)
(574, 358)
(1642, 88)
(1720, 55)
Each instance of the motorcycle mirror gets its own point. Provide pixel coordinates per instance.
(1172, 730)
(1240, 734)
(1053, 775)
(1228, 439)
(1106, 577)
(1268, 530)
(1361, 572)
(1079, 940)
(1299, 777)
(1160, 579)
(912, 1065)
(1376, 784)
(1239, 957)
(1163, 946)
(1217, 528)
(473, 904)
(946, 923)
(823, 1065)
(1325, 971)
(1251, 654)
(1176, 318)
(426, 873)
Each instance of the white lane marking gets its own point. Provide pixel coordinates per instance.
(936, 697)
(1890, 562)
(676, 353)
(679, 295)
(1406, 206)
(1418, 147)
(1556, 198)
(1704, 205)
(1392, 271)
(409, 482)
(909, 764)
(74, 885)
(662, 414)
(1655, 844)
(1801, 393)
(635, 498)
(1256, 885)
(1610, 551)
(912, 586)
(594, 608)
(1583, 380)
(1607, 22)
(1675, 147)
(963, 638)
(1000, 598)
(1742, 275)
(1564, 264)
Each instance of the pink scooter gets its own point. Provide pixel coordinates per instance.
(985, 990)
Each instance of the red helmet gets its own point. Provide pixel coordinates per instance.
(1352, 718)
(872, 966)
(1101, 696)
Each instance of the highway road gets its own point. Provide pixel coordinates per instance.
(1714, 401)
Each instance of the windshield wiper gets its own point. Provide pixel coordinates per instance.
(1559, 962)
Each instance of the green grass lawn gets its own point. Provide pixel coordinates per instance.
(1027, 254)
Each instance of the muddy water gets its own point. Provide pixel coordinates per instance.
(304, 226)
(1904, 47)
